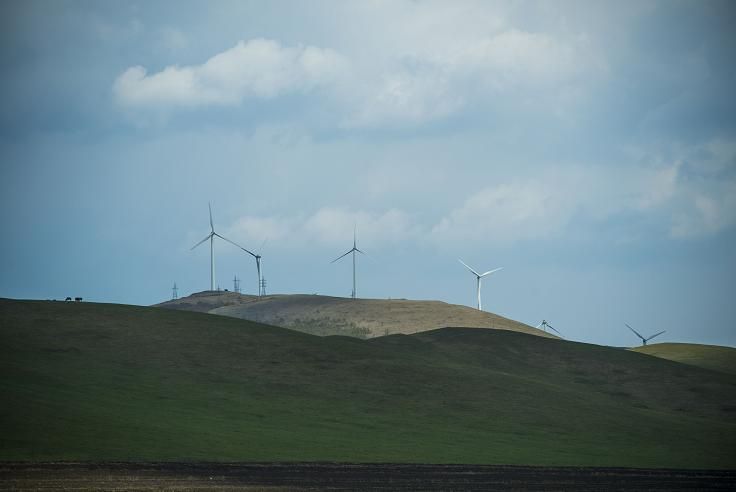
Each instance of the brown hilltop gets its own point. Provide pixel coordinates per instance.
(324, 315)
(206, 301)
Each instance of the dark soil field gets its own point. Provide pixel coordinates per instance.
(340, 476)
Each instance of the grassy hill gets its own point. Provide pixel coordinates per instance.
(712, 357)
(362, 318)
(87, 381)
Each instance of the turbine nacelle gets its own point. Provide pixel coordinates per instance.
(478, 277)
(211, 237)
(257, 257)
(544, 325)
(352, 250)
(644, 340)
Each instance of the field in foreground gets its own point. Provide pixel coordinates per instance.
(111, 382)
(348, 476)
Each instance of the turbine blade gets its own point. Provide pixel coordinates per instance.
(234, 244)
(359, 251)
(656, 335)
(491, 271)
(555, 329)
(636, 332)
(333, 261)
(466, 266)
(203, 240)
(212, 226)
(540, 325)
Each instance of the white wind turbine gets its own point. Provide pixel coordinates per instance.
(544, 325)
(644, 340)
(478, 277)
(353, 251)
(257, 257)
(211, 237)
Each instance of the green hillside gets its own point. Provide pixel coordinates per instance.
(112, 382)
(712, 357)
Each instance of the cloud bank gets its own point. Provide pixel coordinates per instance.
(259, 68)
(403, 85)
(660, 201)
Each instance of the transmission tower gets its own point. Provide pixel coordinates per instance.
(262, 287)
(174, 292)
(236, 284)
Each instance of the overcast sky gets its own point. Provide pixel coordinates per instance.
(589, 148)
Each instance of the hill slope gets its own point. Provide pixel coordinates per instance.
(112, 382)
(712, 357)
(363, 318)
(205, 301)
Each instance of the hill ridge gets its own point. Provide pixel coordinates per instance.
(713, 357)
(363, 318)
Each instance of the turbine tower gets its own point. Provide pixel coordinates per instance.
(261, 285)
(211, 237)
(258, 270)
(478, 277)
(644, 340)
(353, 251)
(544, 325)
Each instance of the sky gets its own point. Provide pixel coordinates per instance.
(588, 148)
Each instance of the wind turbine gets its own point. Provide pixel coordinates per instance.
(479, 277)
(644, 340)
(544, 325)
(258, 267)
(261, 283)
(353, 250)
(211, 237)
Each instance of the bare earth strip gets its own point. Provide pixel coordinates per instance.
(347, 476)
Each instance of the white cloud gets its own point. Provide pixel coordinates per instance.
(329, 226)
(172, 85)
(656, 186)
(418, 88)
(431, 61)
(515, 57)
(547, 205)
(664, 199)
(706, 210)
(694, 194)
(507, 213)
(406, 98)
(259, 68)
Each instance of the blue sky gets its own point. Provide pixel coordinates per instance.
(589, 148)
